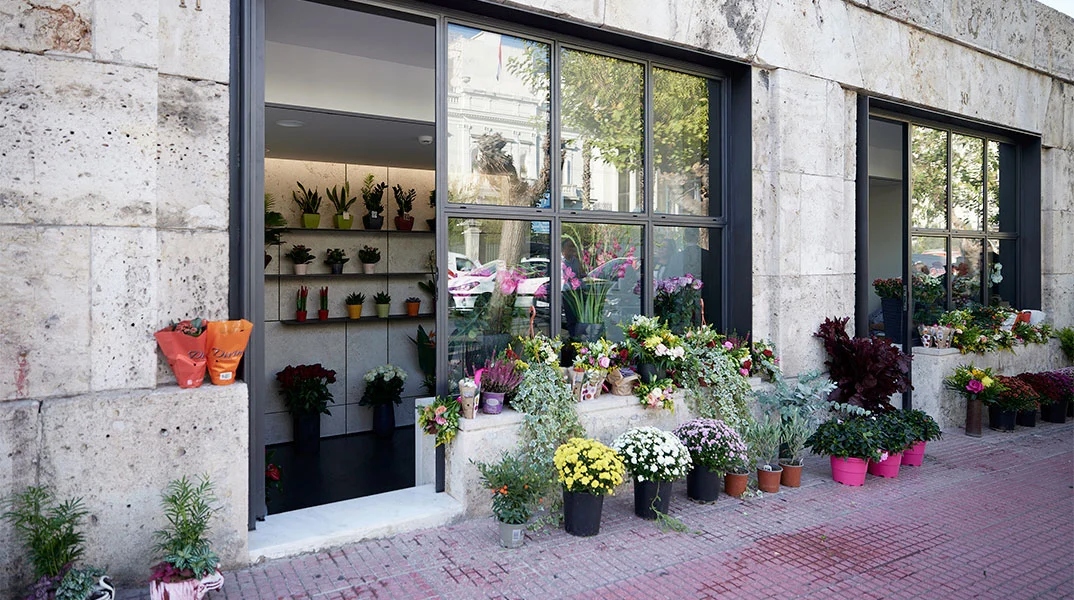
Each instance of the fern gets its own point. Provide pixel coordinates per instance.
(49, 530)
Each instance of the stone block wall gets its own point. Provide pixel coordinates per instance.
(114, 213)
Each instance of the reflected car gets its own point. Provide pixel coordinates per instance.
(465, 289)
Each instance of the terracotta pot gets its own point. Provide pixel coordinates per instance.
(849, 471)
(792, 475)
(412, 308)
(300, 315)
(734, 484)
(915, 455)
(889, 467)
(354, 311)
(768, 481)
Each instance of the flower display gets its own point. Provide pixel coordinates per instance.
(650, 341)
(677, 299)
(586, 284)
(305, 388)
(540, 349)
(588, 466)
(651, 454)
(971, 381)
(657, 394)
(1016, 394)
(440, 418)
(765, 362)
(1053, 386)
(889, 288)
(713, 444)
(988, 328)
(599, 355)
(383, 385)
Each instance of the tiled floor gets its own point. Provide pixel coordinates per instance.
(989, 517)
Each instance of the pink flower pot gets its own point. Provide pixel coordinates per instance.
(889, 467)
(848, 471)
(915, 455)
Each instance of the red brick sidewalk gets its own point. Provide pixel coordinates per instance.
(991, 517)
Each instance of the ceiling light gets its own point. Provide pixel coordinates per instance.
(290, 123)
(425, 140)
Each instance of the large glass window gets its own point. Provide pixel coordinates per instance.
(601, 278)
(681, 113)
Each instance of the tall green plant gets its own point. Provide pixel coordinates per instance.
(550, 416)
(762, 440)
(1066, 341)
(184, 543)
(48, 528)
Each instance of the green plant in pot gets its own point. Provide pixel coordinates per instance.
(516, 484)
(851, 441)
(188, 566)
(354, 303)
(342, 201)
(793, 431)
(274, 224)
(404, 221)
(306, 396)
(893, 435)
(432, 204)
(335, 258)
(309, 202)
(383, 390)
(49, 532)
(384, 304)
(369, 256)
(373, 198)
(301, 256)
(924, 429)
(762, 439)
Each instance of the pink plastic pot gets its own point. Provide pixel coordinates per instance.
(889, 467)
(915, 455)
(849, 471)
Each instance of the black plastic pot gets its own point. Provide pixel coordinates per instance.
(1056, 412)
(703, 485)
(650, 497)
(581, 513)
(1026, 418)
(307, 433)
(1001, 420)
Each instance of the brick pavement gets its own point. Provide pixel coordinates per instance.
(991, 517)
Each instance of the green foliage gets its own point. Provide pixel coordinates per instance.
(373, 195)
(78, 583)
(895, 434)
(925, 428)
(793, 431)
(342, 199)
(354, 298)
(429, 287)
(369, 255)
(404, 200)
(762, 440)
(854, 437)
(715, 388)
(549, 413)
(300, 254)
(1066, 341)
(382, 298)
(309, 201)
(273, 222)
(806, 398)
(426, 345)
(48, 528)
(184, 542)
(336, 256)
(516, 483)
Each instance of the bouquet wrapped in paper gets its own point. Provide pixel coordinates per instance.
(226, 345)
(184, 345)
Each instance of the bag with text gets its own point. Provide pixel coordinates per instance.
(226, 345)
(184, 344)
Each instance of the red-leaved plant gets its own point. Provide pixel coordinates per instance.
(866, 371)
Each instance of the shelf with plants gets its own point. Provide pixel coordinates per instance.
(300, 230)
(364, 319)
(347, 275)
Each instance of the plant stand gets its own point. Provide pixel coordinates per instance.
(581, 513)
(651, 497)
(702, 485)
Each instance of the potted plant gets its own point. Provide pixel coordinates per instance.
(49, 531)
(301, 256)
(188, 567)
(894, 436)
(322, 313)
(925, 429)
(342, 202)
(274, 224)
(516, 485)
(654, 348)
(429, 287)
(715, 448)
(432, 204)
(309, 202)
(384, 304)
(370, 256)
(405, 201)
(372, 197)
(1015, 395)
(891, 293)
(588, 470)
(426, 344)
(762, 440)
(498, 378)
(336, 258)
(306, 396)
(413, 305)
(793, 431)
(383, 390)
(655, 459)
(300, 303)
(866, 371)
(1056, 389)
(850, 442)
(979, 387)
(354, 303)
(1027, 417)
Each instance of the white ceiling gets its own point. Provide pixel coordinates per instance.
(331, 68)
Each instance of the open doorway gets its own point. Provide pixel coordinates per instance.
(349, 101)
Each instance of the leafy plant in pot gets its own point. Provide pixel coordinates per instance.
(405, 201)
(413, 305)
(715, 448)
(306, 396)
(793, 431)
(383, 303)
(49, 531)
(342, 201)
(309, 202)
(894, 436)
(866, 371)
(370, 256)
(373, 198)
(516, 484)
(188, 566)
(354, 303)
(274, 224)
(336, 258)
(498, 378)
(762, 440)
(301, 256)
(851, 441)
(925, 429)
(891, 295)
(979, 387)
(383, 390)
(426, 344)
(432, 204)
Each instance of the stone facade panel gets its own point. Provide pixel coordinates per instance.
(125, 32)
(804, 302)
(1057, 241)
(122, 349)
(1057, 179)
(814, 38)
(192, 159)
(1059, 117)
(194, 43)
(1057, 297)
(192, 275)
(54, 26)
(1053, 41)
(45, 336)
(20, 429)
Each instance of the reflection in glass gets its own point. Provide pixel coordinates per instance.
(992, 184)
(498, 118)
(928, 176)
(966, 269)
(601, 278)
(1002, 192)
(967, 190)
(684, 275)
(929, 279)
(681, 143)
(506, 285)
(1002, 271)
(602, 131)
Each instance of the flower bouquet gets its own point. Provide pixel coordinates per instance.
(591, 364)
(657, 394)
(540, 349)
(677, 300)
(441, 419)
(651, 342)
(655, 459)
(980, 387)
(184, 345)
(305, 389)
(383, 385)
(765, 362)
(588, 471)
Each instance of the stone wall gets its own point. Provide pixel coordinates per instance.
(114, 214)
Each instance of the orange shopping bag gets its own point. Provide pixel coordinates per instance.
(226, 344)
(183, 344)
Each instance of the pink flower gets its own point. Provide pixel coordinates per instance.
(728, 346)
(744, 372)
(604, 362)
(974, 387)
